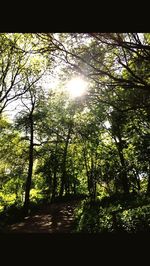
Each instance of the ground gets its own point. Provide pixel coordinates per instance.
(54, 218)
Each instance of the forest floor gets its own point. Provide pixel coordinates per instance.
(53, 218)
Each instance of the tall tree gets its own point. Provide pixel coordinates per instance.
(15, 67)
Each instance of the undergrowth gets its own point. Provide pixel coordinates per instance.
(125, 214)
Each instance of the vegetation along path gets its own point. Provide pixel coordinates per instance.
(55, 218)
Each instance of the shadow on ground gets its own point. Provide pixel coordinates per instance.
(55, 218)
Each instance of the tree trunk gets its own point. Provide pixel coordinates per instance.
(137, 181)
(125, 184)
(54, 186)
(29, 177)
(87, 172)
(63, 178)
(91, 178)
(148, 185)
(124, 178)
(74, 188)
(67, 185)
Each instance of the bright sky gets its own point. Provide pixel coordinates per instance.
(76, 87)
(47, 82)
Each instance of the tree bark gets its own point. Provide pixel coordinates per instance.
(30, 169)
(63, 178)
(137, 181)
(148, 185)
(124, 178)
(54, 187)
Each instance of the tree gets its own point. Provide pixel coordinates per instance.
(27, 122)
(15, 67)
(73, 149)
(13, 159)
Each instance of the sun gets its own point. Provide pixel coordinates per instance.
(76, 87)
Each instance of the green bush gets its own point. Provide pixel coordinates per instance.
(131, 215)
(136, 220)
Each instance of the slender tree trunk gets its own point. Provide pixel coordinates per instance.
(137, 181)
(54, 186)
(87, 172)
(148, 185)
(93, 180)
(91, 183)
(63, 178)
(74, 188)
(29, 177)
(74, 183)
(17, 193)
(67, 185)
(125, 184)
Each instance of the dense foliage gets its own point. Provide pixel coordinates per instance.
(96, 145)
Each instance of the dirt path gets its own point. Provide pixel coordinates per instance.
(55, 218)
